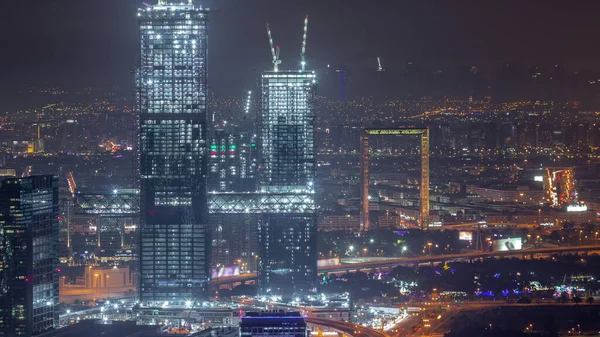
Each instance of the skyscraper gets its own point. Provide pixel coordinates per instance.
(28, 255)
(172, 94)
(287, 239)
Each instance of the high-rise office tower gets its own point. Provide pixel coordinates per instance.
(28, 255)
(287, 238)
(172, 94)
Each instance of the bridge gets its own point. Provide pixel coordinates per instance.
(450, 257)
(343, 328)
(411, 261)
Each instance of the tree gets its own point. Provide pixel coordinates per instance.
(524, 300)
(564, 297)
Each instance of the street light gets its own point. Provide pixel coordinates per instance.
(429, 246)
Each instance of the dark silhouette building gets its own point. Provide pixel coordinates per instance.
(28, 255)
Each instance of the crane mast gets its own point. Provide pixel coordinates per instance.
(379, 67)
(274, 50)
(303, 54)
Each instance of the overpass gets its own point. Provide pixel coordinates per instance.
(394, 262)
(343, 328)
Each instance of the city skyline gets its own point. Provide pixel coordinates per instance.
(386, 169)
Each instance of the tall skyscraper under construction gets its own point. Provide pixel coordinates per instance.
(287, 240)
(172, 93)
(287, 262)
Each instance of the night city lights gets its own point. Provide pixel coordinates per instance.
(227, 168)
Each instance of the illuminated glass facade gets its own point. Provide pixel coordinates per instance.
(232, 167)
(233, 162)
(287, 261)
(172, 93)
(287, 257)
(28, 255)
(287, 125)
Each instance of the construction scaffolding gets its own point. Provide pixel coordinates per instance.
(260, 203)
(117, 213)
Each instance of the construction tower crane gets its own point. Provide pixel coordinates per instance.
(303, 54)
(274, 50)
(379, 67)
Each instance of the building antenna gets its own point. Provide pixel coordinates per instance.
(274, 50)
(303, 54)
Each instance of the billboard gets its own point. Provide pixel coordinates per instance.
(328, 262)
(225, 271)
(465, 236)
(507, 244)
(577, 208)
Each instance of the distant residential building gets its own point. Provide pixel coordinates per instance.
(346, 222)
(8, 173)
(528, 197)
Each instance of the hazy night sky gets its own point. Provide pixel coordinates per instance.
(94, 42)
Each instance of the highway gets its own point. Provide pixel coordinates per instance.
(393, 262)
(447, 257)
(350, 329)
(440, 322)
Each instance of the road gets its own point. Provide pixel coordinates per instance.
(70, 294)
(439, 326)
(447, 257)
(390, 263)
(351, 329)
